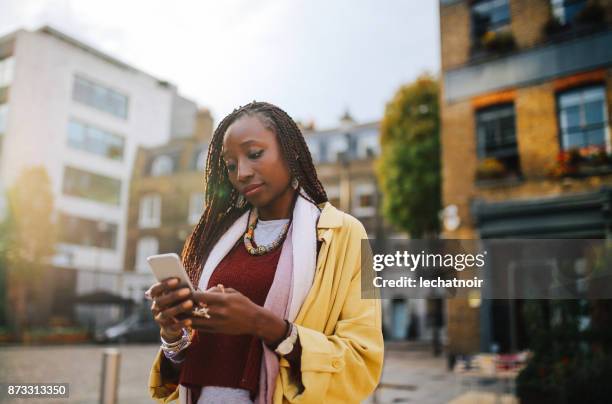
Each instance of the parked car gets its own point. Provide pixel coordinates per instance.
(137, 327)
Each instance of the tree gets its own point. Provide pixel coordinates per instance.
(408, 170)
(28, 243)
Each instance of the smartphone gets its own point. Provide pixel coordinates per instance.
(166, 266)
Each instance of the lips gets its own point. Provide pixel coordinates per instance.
(251, 189)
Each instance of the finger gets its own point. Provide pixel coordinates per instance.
(163, 321)
(160, 287)
(184, 307)
(210, 298)
(154, 309)
(172, 298)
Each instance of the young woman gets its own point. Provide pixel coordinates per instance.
(281, 318)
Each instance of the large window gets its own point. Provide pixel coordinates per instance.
(100, 97)
(87, 232)
(92, 186)
(162, 165)
(7, 68)
(368, 146)
(149, 214)
(566, 10)
(315, 152)
(336, 146)
(496, 133)
(94, 140)
(146, 247)
(583, 117)
(489, 15)
(364, 200)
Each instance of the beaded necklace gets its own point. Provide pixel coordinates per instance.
(262, 249)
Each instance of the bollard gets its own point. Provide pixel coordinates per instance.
(110, 376)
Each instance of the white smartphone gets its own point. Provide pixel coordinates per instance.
(166, 266)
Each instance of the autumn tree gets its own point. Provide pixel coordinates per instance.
(409, 167)
(408, 170)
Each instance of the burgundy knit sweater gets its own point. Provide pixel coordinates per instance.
(231, 360)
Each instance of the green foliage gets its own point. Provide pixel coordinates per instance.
(571, 341)
(408, 170)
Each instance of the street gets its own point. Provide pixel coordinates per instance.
(410, 374)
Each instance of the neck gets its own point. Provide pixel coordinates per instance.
(280, 208)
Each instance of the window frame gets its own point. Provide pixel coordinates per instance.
(140, 258)
(475, 34)
(149, 211)
(605, 124)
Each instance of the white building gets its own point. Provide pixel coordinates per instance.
(82, 114)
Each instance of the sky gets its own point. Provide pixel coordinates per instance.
(313, 58)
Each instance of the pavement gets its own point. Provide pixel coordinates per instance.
(411, 375)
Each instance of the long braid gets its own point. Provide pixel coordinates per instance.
(220, 196)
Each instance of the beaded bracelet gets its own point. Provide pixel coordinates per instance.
(177, 346)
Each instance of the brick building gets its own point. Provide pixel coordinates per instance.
(525, 113)
(166, 201)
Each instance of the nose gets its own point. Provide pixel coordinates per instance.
(244, 170)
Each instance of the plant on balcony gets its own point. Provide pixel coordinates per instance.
(501, 42)
(589, 160)
(491, 168)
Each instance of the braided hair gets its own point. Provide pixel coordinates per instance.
(221, 197)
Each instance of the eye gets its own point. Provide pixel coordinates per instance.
(231, 167)
(255, 155)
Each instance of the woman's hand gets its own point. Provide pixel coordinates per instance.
(233, 313)
(168, 302)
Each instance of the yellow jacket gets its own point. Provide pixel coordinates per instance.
(340, 333)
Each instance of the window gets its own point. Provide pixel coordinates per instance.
(162, 165)
(94, 140)
(367, 145)
(100, 97)
(489, 15)
(313, 147)
(146, 247)
(87, 232)
(84, 184)
(7, 69)
(363, 200)
(149, 214)
(196, 207)
(566, 10)
(583, 117)
(336, 146)
(496, 133)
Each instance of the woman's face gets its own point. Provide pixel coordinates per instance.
(255, 164)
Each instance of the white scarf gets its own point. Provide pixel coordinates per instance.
(303, 259)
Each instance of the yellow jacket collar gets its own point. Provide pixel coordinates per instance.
(330, 217)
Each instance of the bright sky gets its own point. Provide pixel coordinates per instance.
(313, 58)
